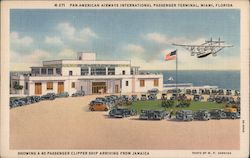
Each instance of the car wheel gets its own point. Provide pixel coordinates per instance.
(106, 109)
(92, 109)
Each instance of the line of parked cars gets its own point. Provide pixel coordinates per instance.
(180, 115)
(223, 99)
(15, 102)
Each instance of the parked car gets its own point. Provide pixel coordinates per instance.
(198, 97)
(98, 106)
(13, 103)
(134, 98)
(184, 115)
(26, 100)
(163, 96)
(143, 97)
(194, 91)
(228, 92)
(152, 114)
(207, 91)
(48, 96)
(188, 91)
(16, 103)
(237, 93)
(232, 113)
(62, 95)
(152, 96)
(211, 98)
(220, 92)
(217, 114)
(121, 112)
(78, 93)
(35, 98)
(154, 90)
(202, 115)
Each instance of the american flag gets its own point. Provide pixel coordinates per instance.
(171, 55)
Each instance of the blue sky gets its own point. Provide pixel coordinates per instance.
(142, 36)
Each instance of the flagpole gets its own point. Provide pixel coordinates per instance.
(176, 79)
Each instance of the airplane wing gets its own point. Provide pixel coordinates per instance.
(186, 45)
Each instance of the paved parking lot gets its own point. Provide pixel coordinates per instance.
(67, 123)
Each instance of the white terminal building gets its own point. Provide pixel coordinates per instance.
(88, 74)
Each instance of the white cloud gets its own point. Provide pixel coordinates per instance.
(67, 29)
(53, 40)
(70, 33)
(157, 37)
(21, 62)
(133, 48)
(25, 41)
(67, 54)
(87, 33)
(165, 39)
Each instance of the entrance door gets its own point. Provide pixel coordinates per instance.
(60, 87)
(38, 88)
(99, 87)
(116, 88)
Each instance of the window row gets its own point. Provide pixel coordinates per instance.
(50, 85)
(155, 83)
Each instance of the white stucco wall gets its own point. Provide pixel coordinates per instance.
(149, 83)
(126, 89)
(76, 71)
(118, 70)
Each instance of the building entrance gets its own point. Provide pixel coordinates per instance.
(99, 87)
(60, 87)
(38, 88)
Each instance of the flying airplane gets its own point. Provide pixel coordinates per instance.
(205, 49)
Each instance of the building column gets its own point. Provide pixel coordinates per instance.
(106, 70)
(54, 71)
(40, 71)
(89, 71)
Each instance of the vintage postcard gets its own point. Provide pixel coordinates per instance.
(125, 79)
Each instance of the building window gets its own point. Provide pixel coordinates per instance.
(111, 71)
(50, 71)
(132, 72)
(156, 82)
(26, 86)
(73, 84)
(49, 85)
(142, 83)
(43, 71)
(35, 71)
(84, 71)
(70, 73)
(58, 71)
(123, 72)
(126, 83)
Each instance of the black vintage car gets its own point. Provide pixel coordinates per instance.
(121, 112)
(202, 114)
(78, 93)
(154, 90)
(143, 97)
(62, 95)
(217, 114)
(152, 96)
(152, 114)
(134, 98)
(184, 115)
(198, 97)
(48, 96)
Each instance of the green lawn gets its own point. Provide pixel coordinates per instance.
(156, 105)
